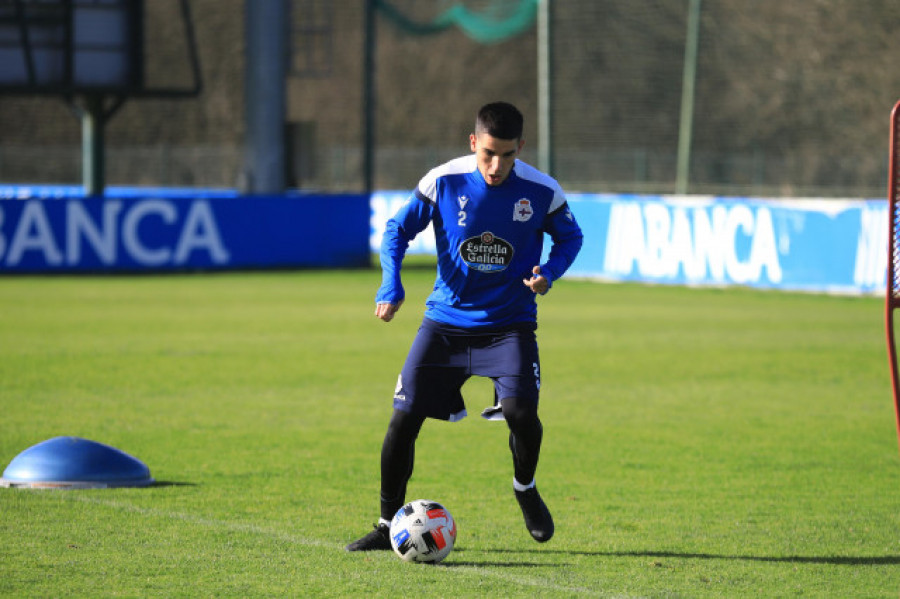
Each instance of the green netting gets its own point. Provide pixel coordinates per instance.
(501, 20)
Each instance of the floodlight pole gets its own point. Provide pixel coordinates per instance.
(265, 92)
(689, 79)
(93, 113)
(545, 88)
(370, 96)
(93, 155)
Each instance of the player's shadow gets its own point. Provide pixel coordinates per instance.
(505, 564)
(463, 564)
(834, 560)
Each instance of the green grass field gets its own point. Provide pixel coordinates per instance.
(698, 443)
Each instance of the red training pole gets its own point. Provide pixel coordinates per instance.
(892, 300)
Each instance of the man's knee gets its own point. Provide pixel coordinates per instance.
(404, 425)
(520, 413)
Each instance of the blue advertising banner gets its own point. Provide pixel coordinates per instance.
(821, 245)
(181, 230)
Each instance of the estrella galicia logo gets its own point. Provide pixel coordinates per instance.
(486, 253)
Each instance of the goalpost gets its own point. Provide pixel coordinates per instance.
(893, 276)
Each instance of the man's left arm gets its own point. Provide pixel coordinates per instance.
(567, 238)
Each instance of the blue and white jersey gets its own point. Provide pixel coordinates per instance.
(488, 239)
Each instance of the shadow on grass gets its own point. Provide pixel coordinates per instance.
(461, 564)
(835, 560)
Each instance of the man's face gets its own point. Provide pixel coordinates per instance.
(495, 156)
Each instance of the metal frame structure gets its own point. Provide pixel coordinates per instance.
(892, 300)
(46, 38)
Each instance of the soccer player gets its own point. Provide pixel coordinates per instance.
(489, 212)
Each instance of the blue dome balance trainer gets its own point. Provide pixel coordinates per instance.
(74, 463)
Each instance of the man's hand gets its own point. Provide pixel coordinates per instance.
(537, 283)
(386, 311)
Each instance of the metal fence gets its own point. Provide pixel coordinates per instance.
(790, 99)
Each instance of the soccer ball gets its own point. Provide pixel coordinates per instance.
(423, 531)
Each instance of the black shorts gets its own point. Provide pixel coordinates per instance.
(442, 359)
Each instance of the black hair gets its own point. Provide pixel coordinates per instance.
(501, 120)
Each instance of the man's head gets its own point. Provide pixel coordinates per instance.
(497, 140)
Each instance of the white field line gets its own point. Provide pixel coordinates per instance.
(210, 522)
(308, 542)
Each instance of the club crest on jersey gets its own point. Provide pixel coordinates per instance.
(486, 252)
(523, 210)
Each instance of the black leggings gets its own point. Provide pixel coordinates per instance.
(398, 450)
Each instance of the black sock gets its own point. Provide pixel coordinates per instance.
(397, 458)
(525, 435)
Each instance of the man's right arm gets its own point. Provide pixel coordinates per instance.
(401, 229)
